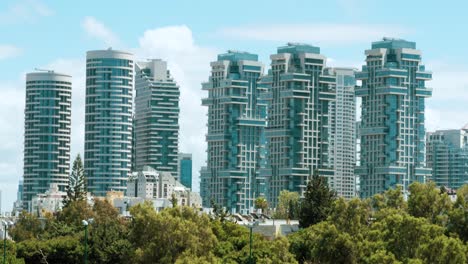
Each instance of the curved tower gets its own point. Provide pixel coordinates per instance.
(108, 120)
(46, 132)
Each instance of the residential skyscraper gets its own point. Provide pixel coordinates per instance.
(342, 144)
(46, 133)
(299, 120)
(156, 117)
(185, 169)
(108, 120)
(447, 156)
(236, 122)
(392, 131)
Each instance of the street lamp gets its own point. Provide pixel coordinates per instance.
(5, 227)
(85, 224)
(251, 226)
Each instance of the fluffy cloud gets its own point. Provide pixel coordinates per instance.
(9, 51)
(97, 29)
(11, 149)
(189, 63)
(322, 34)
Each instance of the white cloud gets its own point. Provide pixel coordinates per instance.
(11, 133)
(25, 11)
(97, 29)
(190, 66)
(446, 109)
(9, 51)
(315, 33)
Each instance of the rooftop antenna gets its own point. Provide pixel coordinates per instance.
(44, 70)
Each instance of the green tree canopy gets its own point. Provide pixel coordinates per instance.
(425, 200)
(288, 205)
(76, 189)
(317, 203)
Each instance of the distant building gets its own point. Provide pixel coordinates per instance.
(108, 120)
(156, 117)
(18, 204)
(46, 133)
(447, 156)
(151, 184)
(235, 138)
(342, 139)
(49, 202)
(392, 131)
(185, 169)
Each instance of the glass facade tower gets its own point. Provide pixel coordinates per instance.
(299, 119)
(108, 120)
(447, 156)
(392, 129)
(156, 118)
(47, 133)
(185, 169)
(236, 122)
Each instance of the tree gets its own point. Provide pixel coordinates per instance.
(108, 241)
(219, 212)
(427, 201)
(173, 200)
(402, 234)
(75, 212)
(261, 203)
(76, 189)
(288, 205)
(324, 243)
(27, 227)
(317, 203)
(458, 216)
(63, 249)
(391, 198)
(164, 237)
(442, 250)
(351, 216)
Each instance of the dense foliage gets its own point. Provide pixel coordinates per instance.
(428, 228)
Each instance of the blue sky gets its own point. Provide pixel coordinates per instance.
(189, 34)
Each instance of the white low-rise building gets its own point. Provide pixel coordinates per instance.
(150, 184)
(51, 201)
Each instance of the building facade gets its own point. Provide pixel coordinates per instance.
(342, 143)
(299, 119)
(393, 93)
(150, 184)
(50, 201)
(47, 133)
(185, 169)
(447, 156)
(236, 122)
(108, 120)
(156, 117)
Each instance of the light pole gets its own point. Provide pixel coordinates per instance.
(85, 224)
(251, 226)
(4, 241)
(5, 227)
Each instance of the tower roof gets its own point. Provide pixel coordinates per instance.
(234, 55)
(465, 127)
(393, 43)
(298, 47)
